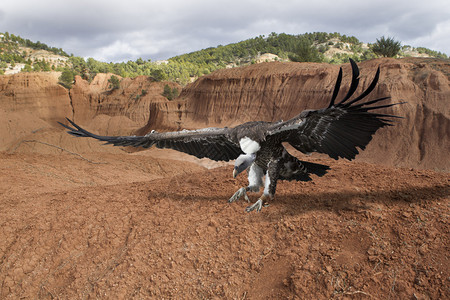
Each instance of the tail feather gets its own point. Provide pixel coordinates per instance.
(316, 169)
(299, 170)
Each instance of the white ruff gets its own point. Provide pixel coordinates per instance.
(249, 146)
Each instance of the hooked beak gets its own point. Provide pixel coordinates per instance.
(235, 173)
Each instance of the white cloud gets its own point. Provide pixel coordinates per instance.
(437, 39)
(116, 31)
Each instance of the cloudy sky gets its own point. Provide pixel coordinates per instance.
(110, 30)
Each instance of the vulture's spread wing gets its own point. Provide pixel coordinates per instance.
(338, 129)
(212, 143)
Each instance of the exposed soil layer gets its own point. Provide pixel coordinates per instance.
(131, 226)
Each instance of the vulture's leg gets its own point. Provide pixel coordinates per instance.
(270, 186)
(255, 175)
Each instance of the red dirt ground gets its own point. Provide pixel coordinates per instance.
(124, 226)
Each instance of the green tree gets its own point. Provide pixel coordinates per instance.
(386, 47)
(140, 61)
(46, 66)
(36, 67)
(66, 79)
(167, 92)
(114, 82)
(175, 93)
(170, 93)
(305, 52)
(27, 68)
(158, 75)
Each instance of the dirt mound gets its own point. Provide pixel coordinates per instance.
(26, 133)
(128, 226)
(14, 126)
(118, 125)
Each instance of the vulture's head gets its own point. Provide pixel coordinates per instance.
(242, 163)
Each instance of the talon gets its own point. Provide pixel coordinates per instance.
(246, 198)
(255, 206)
(238, 194)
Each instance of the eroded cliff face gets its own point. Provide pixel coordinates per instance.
(31, 103)
(37, 94)
(132, 100)
(275, 91)
(41, 95)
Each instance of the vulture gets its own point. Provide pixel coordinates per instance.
(336, 130)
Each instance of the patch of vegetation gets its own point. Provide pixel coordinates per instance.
(386, 47)
(142, 94)
(66, 79)
(170, 93)
(340, 58)
(306, 52)
(12, 54)
(308, 47)
(15, 40)
(431, 53)
(114, 82)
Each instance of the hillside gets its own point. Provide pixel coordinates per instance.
(18, 54)
(309, 47)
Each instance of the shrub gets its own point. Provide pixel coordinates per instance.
(387, 47)
(66, 78)
(169, 93)
(158, 75)
(306, 52)
(114, 82)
